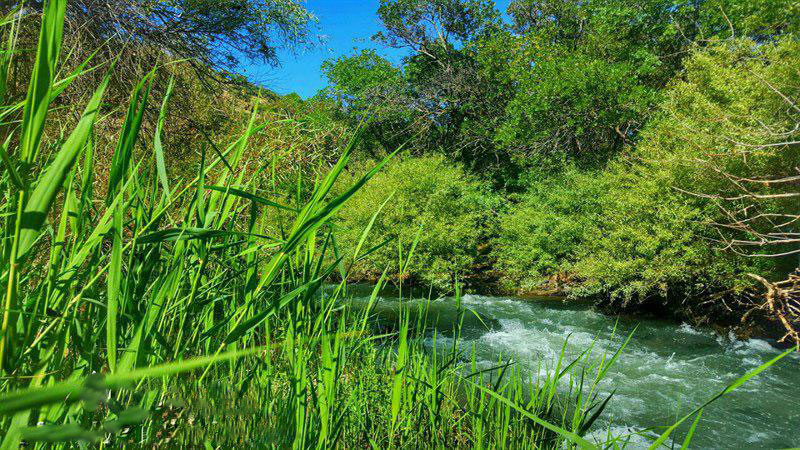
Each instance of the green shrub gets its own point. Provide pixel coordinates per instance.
(665, 224)
(668, 221)
(624, 233)
(453, 209)
(657, 221)
(541, 235)
(734, 117)
(649, 240)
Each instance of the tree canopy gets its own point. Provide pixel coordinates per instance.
(215, 34)
(558, 82)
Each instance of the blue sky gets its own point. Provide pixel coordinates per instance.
(345, 25)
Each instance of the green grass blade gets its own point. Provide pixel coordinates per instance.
(113, 287)
(157, 145)
(739, 381)
(688, 439)
(252, 197)
(37, 102)
(50, 182)
(12, 171)
(71, 391)
(572, 437)
(120, 161)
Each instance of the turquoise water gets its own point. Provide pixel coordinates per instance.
(667, 369)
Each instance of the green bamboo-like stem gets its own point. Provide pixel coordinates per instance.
(6, 333)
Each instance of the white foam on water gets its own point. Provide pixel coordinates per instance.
(666, 370)
(626, 436)
(514, 338)
(759, 436)
(688, 329)
(747, 346)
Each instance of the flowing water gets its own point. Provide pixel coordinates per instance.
(666, 370)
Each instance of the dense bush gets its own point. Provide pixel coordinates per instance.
(731, 120)
(671, 220)
(661, 219)
(621, 234)
(649, 240)
(430, 197)
(541, 235)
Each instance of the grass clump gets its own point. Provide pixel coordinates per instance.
(388, 390)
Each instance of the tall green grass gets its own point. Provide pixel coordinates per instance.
(163, 314)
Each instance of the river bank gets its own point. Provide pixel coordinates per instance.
(725, 314)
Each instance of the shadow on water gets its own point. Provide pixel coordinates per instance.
(440, 313)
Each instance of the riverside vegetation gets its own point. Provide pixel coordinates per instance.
(151, 302)
(644, 156)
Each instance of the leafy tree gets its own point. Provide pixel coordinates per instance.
(562, 82)
(429, 26)
(446, 96)
(359, 81)
(730, 128)
(712, 179)
(591, 73)
(574, 107)
(760, 20)
(213, 34)
(368, 88)
(588, 74)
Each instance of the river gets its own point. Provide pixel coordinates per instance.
(666, 370)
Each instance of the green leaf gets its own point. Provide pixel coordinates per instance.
(51, 181)
(186, 234)
(740, 381)
(157, 146)
(15, 178)
(581, 442)
(72, 391)
(252, 197)
(37, 102)
(120, 161)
